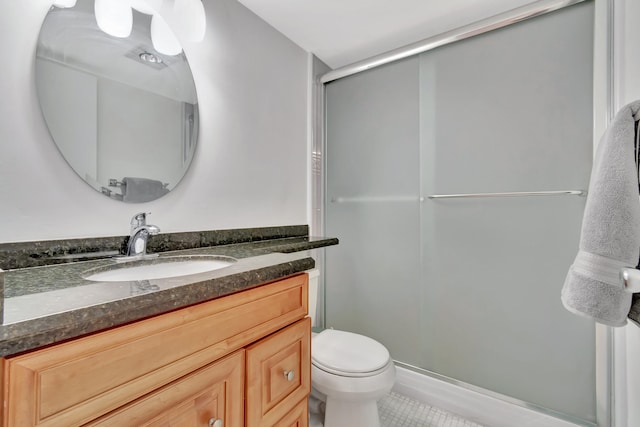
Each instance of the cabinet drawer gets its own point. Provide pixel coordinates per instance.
(73, 383)
(298, 417)
(278, 374)
(213, 392)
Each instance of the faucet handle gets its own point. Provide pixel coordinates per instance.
(139, 220)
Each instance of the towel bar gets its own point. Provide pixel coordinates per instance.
(377, 199)
(631, 279)
(511, 194)
(374, 199)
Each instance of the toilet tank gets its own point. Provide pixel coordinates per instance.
(313, 294)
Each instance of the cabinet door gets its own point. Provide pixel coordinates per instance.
(278, 375)
(297, 417)
(215, 392)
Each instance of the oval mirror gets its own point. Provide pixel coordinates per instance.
(123, 115)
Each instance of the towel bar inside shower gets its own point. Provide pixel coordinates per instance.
(511, 194)
(378, 199)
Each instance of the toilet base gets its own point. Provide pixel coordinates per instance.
(315, 420)
(344, 413)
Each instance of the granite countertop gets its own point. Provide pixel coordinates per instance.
(52, 303)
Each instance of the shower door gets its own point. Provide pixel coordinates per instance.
(468, 287)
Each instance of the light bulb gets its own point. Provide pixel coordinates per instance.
(114, 17)
(189, 20)
(148, 7)
(64, 3)
(162, 37)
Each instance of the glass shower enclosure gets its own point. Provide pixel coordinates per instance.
(454, 181)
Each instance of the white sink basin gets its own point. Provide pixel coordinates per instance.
(159, 268)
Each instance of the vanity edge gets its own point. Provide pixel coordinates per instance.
(46, 330)
(39, 332)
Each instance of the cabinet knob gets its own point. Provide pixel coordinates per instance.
(289, 375)
(215, 422)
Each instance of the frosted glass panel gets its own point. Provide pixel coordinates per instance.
(494, 267)
(379, 297)
(373, 161)
(492, 316)
(511, 109)
(468, 288)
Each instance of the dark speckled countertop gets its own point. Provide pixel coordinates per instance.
(53, 303)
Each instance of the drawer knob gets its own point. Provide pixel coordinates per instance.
(213, 422)
(289, 375)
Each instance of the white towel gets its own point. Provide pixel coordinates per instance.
(137, 190)
(610, 237)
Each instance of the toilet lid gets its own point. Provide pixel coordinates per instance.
(348, 352)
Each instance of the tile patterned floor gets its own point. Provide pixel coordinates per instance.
(397, 410)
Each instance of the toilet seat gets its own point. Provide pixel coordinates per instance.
(347, 354)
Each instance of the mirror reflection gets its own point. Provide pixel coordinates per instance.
(123, 115)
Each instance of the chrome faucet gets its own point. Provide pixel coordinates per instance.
(140, 232)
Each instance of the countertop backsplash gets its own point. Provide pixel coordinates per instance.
(49, 252)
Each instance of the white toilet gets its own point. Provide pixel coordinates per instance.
(349, 373)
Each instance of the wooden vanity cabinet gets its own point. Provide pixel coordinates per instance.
(199, 399)
(240, 360)
(278, 375)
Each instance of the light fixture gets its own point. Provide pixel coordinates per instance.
(189, 20)
(150, 57)
(114, 17)
(172, 21)
(64, 3)
(148, 7)
(163, 38)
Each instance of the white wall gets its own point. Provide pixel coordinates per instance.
(626, 89)
(73, 95)
(250, 168)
